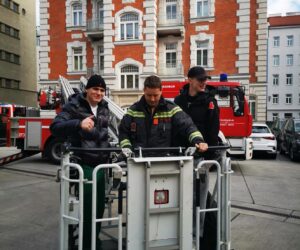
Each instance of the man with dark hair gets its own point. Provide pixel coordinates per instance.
(198, 101)
(155, 122)
(84, 123)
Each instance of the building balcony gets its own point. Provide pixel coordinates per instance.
(170, 25)
(170, 70)
(94, 29)
(94, 71)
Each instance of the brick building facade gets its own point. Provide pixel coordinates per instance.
(127, 40)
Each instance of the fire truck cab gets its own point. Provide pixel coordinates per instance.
(235, 117)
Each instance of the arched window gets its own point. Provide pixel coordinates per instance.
(129, 77)
(77, 14)
(129, 25)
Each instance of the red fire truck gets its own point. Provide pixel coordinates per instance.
(28, 132)
(235, 117)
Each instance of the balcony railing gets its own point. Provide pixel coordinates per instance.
(170, 20)
(170, 69)
(94, 25)
(93, 71)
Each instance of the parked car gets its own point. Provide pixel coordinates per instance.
(276, 128)
(290, 139)
(264, 140)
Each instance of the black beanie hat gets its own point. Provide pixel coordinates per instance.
(95, 81)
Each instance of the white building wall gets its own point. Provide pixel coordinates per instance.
(282, 89)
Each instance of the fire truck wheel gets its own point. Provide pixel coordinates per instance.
(53, 150)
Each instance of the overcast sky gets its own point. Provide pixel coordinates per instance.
(274, 6)
(283, 6)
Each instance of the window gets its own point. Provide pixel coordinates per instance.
(299, 99)
(289, 60)
(275, 116)
(252, 105)
(275, 99)
(275, 80)
(202, 51)
(202, 8)
(77, 59)
(15, 7)
(129, 26)
(276, 41)
(6, 3)
(100, 13)
(290, 41)
(276, 60)
(10, 31)
(288, 98)
(171, 55)
(289, 79)
(260, 130)
(288, 115)
(129, 77)
(77, 14)
(9, 83)
(9, 57)
(171, 9)
(101, 59)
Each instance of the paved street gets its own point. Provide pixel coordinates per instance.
(265, 199)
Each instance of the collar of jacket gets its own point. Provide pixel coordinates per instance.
(80, 99)
(142, 104)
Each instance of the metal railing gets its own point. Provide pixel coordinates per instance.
(173, 68)
(95, 25)
(170, 20)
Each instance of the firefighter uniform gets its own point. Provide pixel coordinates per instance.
(140, 128)
(204, 111)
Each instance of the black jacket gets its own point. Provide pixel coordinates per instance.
(204, 111)
(66, 125)
(139, 128)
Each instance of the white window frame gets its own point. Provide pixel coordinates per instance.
(125, 24)
(100, 59)
(275, 80)
(100, 12)
(170, 4)
(276, 41)
(289, 60)
(201, 4)
(124, 75)
(275, 99)
(288, 98)
(289, 79)
(202, 37)
(276, 60)
(201, 48)
(275, 116)
(171, 49)
(290, 40)
(78, 20)
(252, 105)
(79, 58)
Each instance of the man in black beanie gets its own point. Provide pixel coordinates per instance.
(84, 123)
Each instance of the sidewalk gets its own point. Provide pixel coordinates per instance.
(6, 151)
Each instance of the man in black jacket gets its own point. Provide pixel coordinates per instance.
(198, 101)
(84, 123)
(155, 122)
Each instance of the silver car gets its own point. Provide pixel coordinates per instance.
(263, 140)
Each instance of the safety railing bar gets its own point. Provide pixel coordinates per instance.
(107, 219)
(218, 209)
(94, 204)
(70, 218)
(209, 210)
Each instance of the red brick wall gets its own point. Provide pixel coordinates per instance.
(59, 38)
(224, 30)
(253, 37)
(134, 51)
